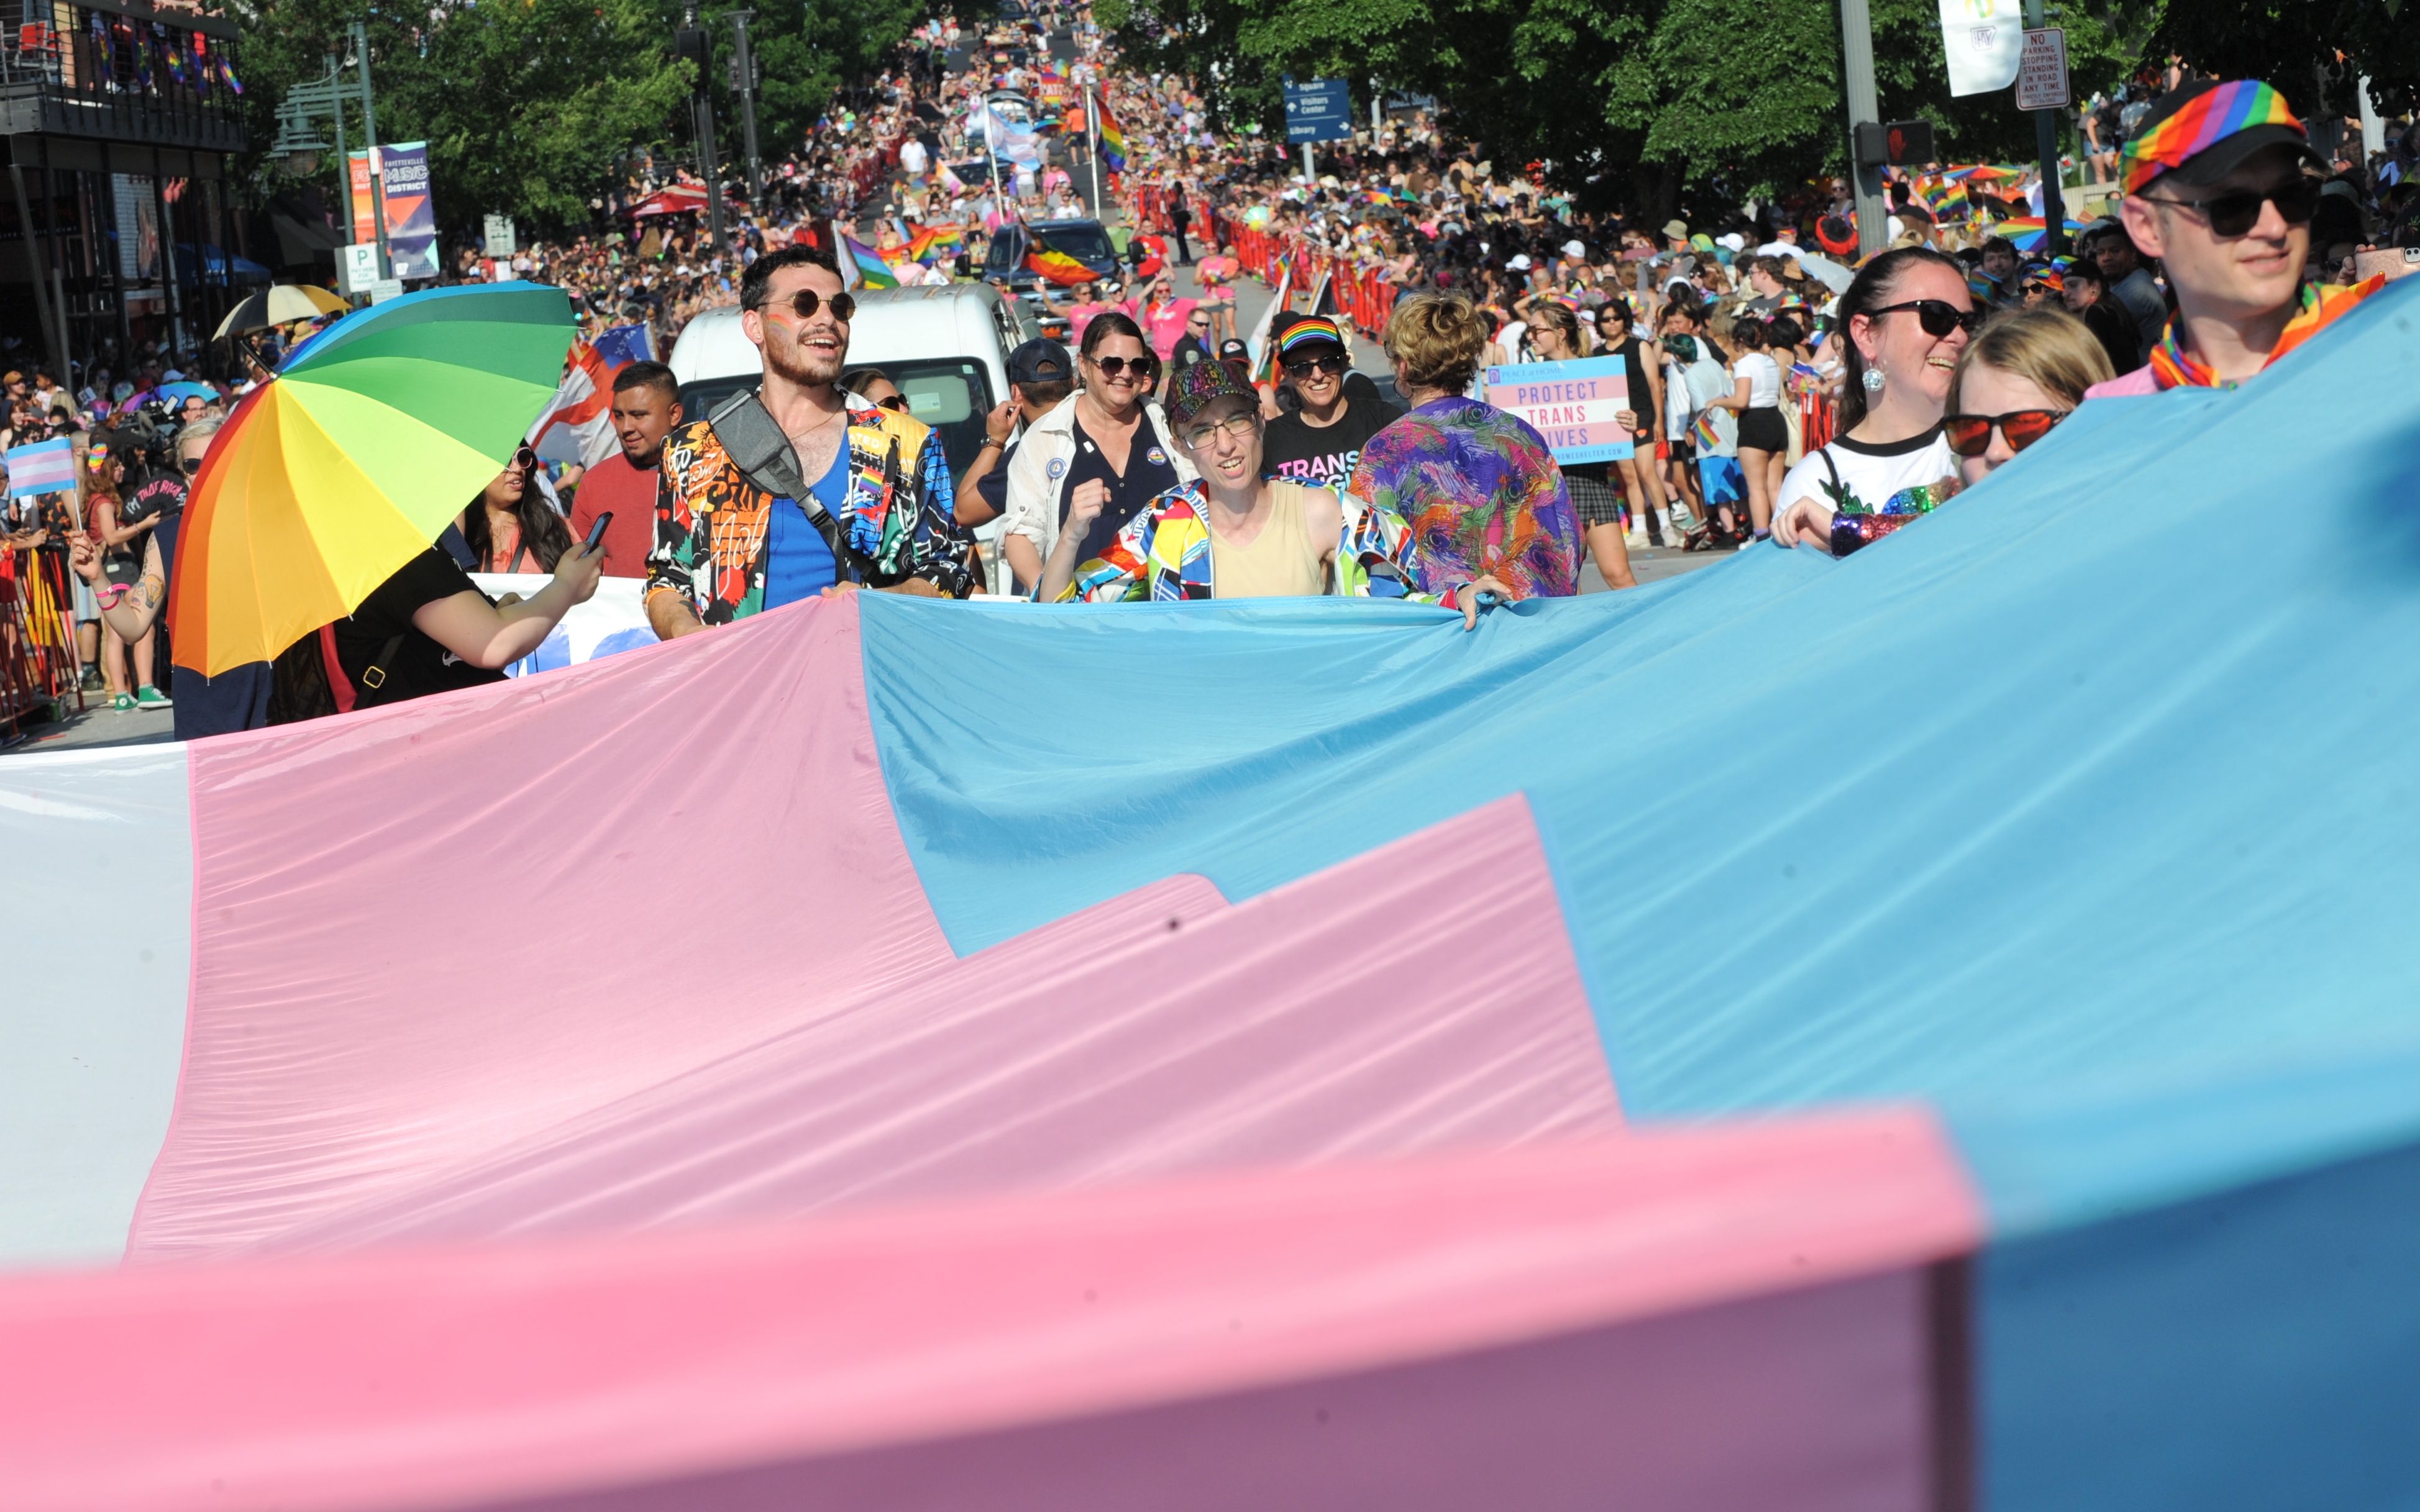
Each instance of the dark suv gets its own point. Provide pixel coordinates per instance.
(1087, 241)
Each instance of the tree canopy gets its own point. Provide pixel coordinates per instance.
(1650, 102)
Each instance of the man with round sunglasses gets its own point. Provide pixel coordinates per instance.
(878, 510)
(1318, 444)
(2217, 189)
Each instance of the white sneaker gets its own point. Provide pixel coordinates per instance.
(1635, 538)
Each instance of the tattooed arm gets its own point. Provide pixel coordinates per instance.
(132, 613)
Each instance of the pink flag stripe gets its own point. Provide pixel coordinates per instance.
(466, 1375)
(691, 994)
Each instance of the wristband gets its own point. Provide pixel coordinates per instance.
(110, 596)
(988, 442)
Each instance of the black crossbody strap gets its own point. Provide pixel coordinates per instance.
(757, 446)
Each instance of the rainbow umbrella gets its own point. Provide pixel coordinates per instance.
(350, 460)
(2027, 233)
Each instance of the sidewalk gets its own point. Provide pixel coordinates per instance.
(99, 725)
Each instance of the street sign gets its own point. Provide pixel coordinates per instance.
(498, 236)
(1404, 102)
(385, 289)
(1320, 110)
(2041, 70)
(357, 266)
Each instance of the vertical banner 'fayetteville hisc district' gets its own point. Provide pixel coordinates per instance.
(410, 218)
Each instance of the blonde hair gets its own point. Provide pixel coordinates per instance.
(1434, 341)
(2051, 348)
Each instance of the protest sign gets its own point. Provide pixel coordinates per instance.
(1572, 405)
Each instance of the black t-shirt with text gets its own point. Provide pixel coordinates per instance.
(1322, 457)
(420, 666)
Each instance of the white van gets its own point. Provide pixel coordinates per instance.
(945, 345)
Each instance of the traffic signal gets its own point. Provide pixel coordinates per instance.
(1899, 143)
(693, 44)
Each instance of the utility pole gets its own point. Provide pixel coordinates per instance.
(1857, 74)
(2047, 147)
(378, 169)
(744, 64)
(691, 42)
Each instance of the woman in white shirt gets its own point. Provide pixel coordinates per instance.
(1908, 317)
(1763, 434)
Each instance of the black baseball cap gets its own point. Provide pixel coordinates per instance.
(1231, 350)
(1039, 361)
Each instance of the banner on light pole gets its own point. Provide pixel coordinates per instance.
(1983, 40)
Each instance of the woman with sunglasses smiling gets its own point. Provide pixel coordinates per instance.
(1907, 316)
(1319, 443)
(1232, 532)
(510, 526)
(2020, 376)
(1108, 444)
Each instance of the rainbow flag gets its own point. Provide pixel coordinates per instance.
(861, 266)
(1113, 142)
(932, 241)
(1057, 265)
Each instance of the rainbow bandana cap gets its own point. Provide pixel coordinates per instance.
(2206, 120)
(1310, 331)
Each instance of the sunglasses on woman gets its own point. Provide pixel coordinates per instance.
(2234, 215)
(1111, 367)
(806, 302)
(524, 459)
(1971, 435)
(897, 404)
(1333, 365)
(1938, 317)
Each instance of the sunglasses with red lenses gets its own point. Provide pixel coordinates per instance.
(1971, 435)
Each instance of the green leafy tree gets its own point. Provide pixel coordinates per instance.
(527, 104)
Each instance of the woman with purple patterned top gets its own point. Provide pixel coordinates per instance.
(1479, 486)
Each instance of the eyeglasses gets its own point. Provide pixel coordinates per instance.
(1333, 365)
(2234, 215)
(806, 302)
(189, 465)
(1238, 426)
(1971, 435)
(897, 404)
(1111, 367)
(523, 459)
(1938, 317)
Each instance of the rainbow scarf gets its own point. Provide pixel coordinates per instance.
(2174, 367)
(2211, 117)
(1113, 142)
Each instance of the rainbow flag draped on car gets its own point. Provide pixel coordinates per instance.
(1057, 265)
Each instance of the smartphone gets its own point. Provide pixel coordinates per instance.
(597, 532)
(2395, 262)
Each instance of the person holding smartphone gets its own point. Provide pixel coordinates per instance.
(2221, 186)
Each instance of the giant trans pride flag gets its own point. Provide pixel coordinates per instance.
(1931, 1030)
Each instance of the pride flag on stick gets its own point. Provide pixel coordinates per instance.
(861, 266)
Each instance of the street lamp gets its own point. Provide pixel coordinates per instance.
(297, 138)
